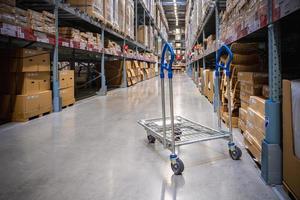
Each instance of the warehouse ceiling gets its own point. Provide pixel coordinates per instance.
(175, 13)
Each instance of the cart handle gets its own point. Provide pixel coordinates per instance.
(164, 64)
(226, 66)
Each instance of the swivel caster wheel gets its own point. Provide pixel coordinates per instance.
(151, 139)
(236, 153)
(177, 166)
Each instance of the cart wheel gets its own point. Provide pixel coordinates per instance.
(177, 167)
(236, 153)
(151, 139)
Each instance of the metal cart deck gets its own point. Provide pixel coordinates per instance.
(186, 131)
(175, 131)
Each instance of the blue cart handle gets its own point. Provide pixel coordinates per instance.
(164, 65)
(224, 49)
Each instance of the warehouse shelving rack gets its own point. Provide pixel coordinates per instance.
(268, 30)
(63, 50)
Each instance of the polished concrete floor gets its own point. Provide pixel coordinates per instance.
(96, 150)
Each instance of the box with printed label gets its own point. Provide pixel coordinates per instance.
(257, 119)
(25, 60)
(257, 104)
(24, 82)
(67, 96)
(253, 77)
(66, 78)
(27, 106)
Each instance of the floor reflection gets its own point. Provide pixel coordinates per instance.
(170, 187)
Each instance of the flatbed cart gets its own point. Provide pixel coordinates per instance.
(175, 131)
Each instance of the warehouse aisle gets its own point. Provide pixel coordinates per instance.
(96, 150)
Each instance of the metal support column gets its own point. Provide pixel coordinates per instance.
(217, 80)
(124, 79)
(103, 89)
(56, 95)
(198, 72)
(136, 19)
(271, 169)
(204, 66)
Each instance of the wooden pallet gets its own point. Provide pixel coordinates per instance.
(18, 119)
(289, 192)
(66, 106)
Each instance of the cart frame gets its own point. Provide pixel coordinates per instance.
(185, 131)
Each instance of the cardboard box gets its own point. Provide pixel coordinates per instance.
(257, 104)
(114, 73)
(257, 119)
(250, 89)
(242, 125)
(291, 163)
(239, 59)
(265, 91)
(253, 78)
(93, 8)
(243, 114)
(45, 101)
(250, 144)
(66, 78)
(25, 60)
(143, 35)
(254, 132)
(5, 107)
(234, 120)
(24, 83)
(244, 105)
(67, 96)
(244, 97)
(27, 106)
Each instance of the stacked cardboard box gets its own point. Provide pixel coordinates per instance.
(208, 87)
(129, 18)
(93, 38)
(93, 8)
(112, 47)
(70, 33)
(290, 136)
(25, 84)
(121, 15)
(255, 127)
(114, 73)
(240, 16)
(143, 35)
(7, 13)
(251, 84)
(109, 11)
(66, 83)
(42, 22)
(210, 43)
(13, 15)
(246, 58)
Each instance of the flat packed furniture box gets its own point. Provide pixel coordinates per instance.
(291, 136)
(66, 78)
(25, 60)
(27, 106)
(67, 96)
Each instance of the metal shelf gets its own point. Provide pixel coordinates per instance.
(63, 48)
(271, 16)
